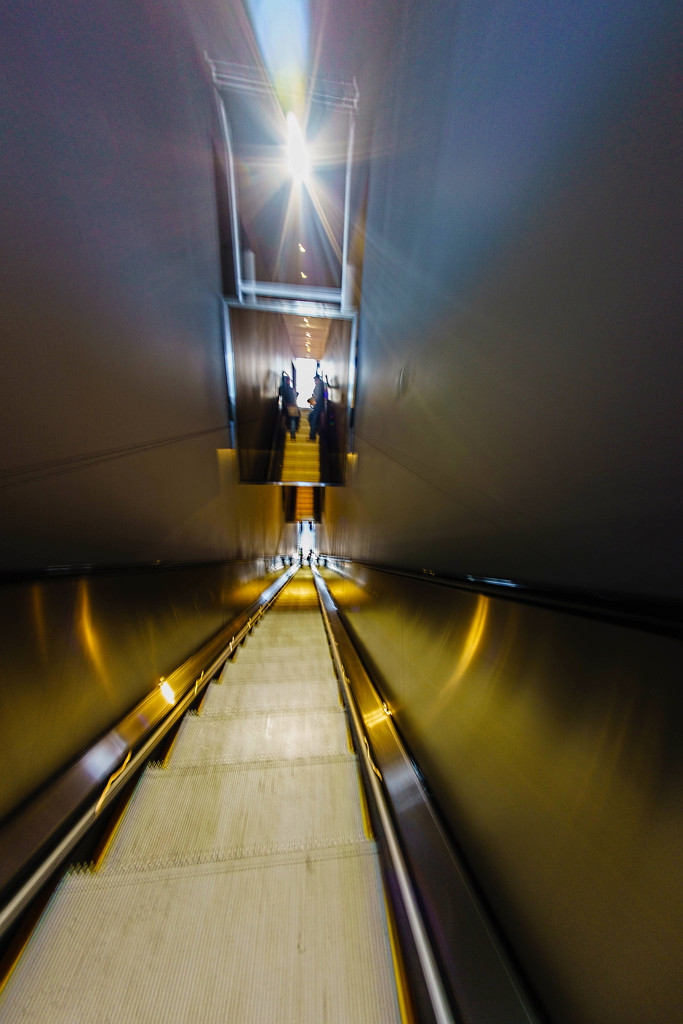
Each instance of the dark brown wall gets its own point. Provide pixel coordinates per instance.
(78, 653)
(261, 350)
(553, 746)
(114, 414)
(335, 366)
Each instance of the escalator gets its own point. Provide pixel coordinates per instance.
(242, 883)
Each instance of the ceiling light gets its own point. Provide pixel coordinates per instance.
(297, 157)
(304, 275)
(301, 248)
(307, 334)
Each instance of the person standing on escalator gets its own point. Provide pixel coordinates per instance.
(289, 405)
(317, 401)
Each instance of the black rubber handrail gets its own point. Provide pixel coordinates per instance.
(36, 840)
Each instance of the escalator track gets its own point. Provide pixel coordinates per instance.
(242, 883)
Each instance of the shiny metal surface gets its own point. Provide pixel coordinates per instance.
(338, 368)
(552, 746)
(79, 652)
(466, 970)
(261, 352)
(98, 775)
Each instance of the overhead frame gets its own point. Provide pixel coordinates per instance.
(335, 95)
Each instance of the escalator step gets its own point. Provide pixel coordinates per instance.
(295, 938)
(252, 697)
(191, 816)
(271, 736)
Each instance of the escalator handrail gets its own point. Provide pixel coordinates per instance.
(465, 964)
(439, 999)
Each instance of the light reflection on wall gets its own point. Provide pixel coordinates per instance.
(469, 649)
(88, 635)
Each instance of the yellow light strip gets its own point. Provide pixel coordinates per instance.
(349, 741)
(167, 758)
(365, 813)
(112, 778)
(404, 1003)
(103, 850)
(22, 938)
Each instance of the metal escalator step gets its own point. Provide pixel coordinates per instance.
(298, 938)
(307, 665)
(279, 636)
(191, 816)
(247, 697)
(274, 671)
(282, 623)
(271, 736)
(283, 652)
(295, 616)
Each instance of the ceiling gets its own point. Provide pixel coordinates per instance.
(307, 329)
(294, 228)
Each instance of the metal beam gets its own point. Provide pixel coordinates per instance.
(232, 186)
(292, 291)
(347, 202)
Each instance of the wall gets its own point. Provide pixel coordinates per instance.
(261, 352)
(335, 367)
(520, 280)
(112, 360)
(552, 744)
(114, 441)
(79, 652)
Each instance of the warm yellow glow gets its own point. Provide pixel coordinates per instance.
(470, 647)
(89, 636)
(301, 248)
(167, 692)
(304, 275)
(308, 334)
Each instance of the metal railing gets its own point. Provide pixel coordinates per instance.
(466, 970)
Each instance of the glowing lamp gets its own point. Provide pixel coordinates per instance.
(167, 692)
